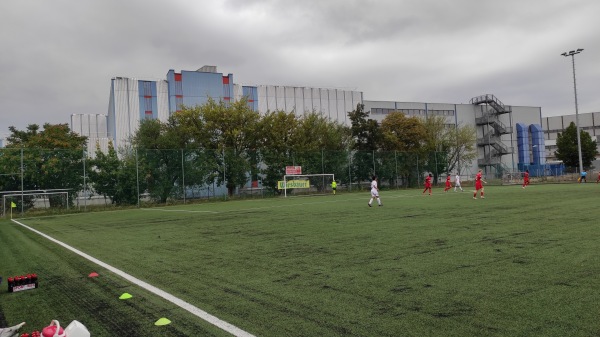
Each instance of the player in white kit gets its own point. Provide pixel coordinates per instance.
(374, 192)
(457, 182)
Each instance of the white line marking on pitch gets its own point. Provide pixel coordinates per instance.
(176, 210)
(175, 300)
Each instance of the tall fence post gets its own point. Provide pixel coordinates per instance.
(396, 164)
(137, 177)
(418, 175)
(183, 176)
(84, 184)
(373, 154)
(22, 183)
(323, 169)
(349, 156)
(224, 175)
(437, 173)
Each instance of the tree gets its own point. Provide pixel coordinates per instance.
(463, 148)
(314, 135)
(276, 134)
(367, 137)
(103, 175)
(200, 155)
(233, 132)
(449, 146)
(115, 178)
(566, 142)
(436, 144)
(405, 135)
(52, 159)
(402, 133)
(160, 158)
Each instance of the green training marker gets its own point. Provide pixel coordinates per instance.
(125, 296)
(162, 321)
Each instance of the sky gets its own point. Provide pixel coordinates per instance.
(57, 57)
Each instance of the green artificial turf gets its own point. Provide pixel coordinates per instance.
(518, 263)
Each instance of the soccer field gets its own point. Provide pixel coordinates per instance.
(522, 262)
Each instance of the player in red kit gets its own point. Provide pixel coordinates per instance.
(448, 183)
(525, 178)
(428, 183)
(479, 185)
(598, 177)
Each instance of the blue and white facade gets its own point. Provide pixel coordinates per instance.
(132, 100)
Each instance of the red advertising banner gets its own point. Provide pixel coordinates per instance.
(293, 170)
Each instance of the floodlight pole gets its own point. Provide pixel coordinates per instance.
(572, 53)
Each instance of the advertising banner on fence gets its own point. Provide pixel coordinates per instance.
(293, 170)
(293, 184)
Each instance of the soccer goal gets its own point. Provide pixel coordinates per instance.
(306, 184)
(34, 200)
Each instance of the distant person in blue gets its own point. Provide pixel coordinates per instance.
(583, 176)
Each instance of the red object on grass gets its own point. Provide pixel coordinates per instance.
(50, 330)
(94, 274)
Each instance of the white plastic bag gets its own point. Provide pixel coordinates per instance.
(76, 329)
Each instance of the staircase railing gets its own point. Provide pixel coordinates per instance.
(492, 101)
(494, 121)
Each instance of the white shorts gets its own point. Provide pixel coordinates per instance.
(374, 193)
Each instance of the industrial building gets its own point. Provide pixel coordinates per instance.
(588, 122)
(131, 100)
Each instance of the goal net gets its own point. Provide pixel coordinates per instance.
(306, 184)
(34, 200)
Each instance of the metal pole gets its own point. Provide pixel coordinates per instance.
(572, 53)
(373, 153)
(349, 154)
(323, 169)
(22, 185)
(437, 174)
(418, 174)
(183, 175)
(84, 186)
(577, 117)
(396, 164)
(137, 177)
(224, 175)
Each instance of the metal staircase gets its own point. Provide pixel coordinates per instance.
(492, 101)
(492, 133)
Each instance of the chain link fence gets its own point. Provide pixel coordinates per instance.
(141, 177)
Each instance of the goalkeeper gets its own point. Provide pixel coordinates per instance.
(334, 186)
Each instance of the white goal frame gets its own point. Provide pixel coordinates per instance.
(285, 179)
(13, 195)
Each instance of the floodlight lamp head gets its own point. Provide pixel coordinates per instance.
(571, 52)
(579, 50)
(564, 54)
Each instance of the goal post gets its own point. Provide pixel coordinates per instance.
(306, 184)
(35, 200)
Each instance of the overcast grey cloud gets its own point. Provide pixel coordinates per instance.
(57, 57)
